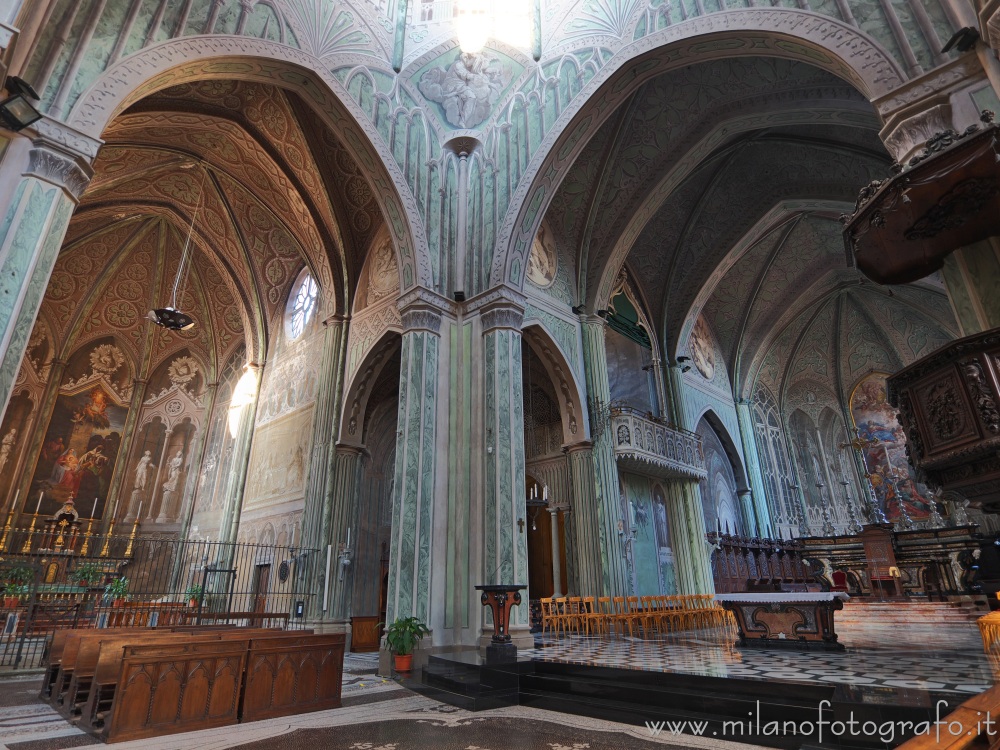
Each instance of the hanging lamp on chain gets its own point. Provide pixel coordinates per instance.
(171, 317)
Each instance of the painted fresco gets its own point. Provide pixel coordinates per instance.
(875, 419)
(79, 453)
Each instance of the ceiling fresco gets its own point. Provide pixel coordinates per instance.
(269, 189)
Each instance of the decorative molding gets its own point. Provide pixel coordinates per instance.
(63, 172)
(422, 309)
(906, 136)
(50, 132)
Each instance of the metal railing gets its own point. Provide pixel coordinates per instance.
(129, 580)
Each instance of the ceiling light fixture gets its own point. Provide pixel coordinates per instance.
(171, 317)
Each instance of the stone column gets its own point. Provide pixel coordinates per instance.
(615, 578)
(586, 527)
(413, 492)
(319, 489)
(346, 482)
(125, 458)
(49, 173)
(505, 546)
(232, 495)
(556, 554)
(691, 549)
(762, 505)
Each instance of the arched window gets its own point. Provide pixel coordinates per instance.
(773, 457)
(301, 304)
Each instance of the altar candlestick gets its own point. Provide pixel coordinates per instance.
(39, 506)
(93, 510)
(545, 493)
(348, 537)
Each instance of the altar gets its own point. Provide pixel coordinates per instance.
(786, 620)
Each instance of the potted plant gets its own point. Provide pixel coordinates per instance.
(194, 594)
(13, 593)
(117, 591)
(402, 637)
(87, 574)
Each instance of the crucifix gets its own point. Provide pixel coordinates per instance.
(520, 525)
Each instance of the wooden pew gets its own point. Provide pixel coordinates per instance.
(292, 675)
(58, 675)
(110, 641)
(178, 687)
(104, 683)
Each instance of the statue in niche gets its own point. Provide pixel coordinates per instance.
(142, 470)
(173, 471)
(467, 89)
(170, 486)
(383, 278)
(6, 446)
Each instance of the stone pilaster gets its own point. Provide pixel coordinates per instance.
(345, 485)
(692, 552)
(316, 512)
(751, 460)
(614, 574)
(584, 521)
(232, 497)
(416, 459)
(48, 178)
(505, 545)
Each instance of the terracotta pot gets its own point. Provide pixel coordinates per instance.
(118, 603)
(193, 603)
(404, 662)
(11, 602)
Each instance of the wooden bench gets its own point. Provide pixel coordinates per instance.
(104, 683)
(292, 675)
(178, 687)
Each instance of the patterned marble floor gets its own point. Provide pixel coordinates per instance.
(381, 716)
(961, 670)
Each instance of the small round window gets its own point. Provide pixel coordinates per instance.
(302, 304)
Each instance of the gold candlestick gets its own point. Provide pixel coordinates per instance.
(131, 537)
(26, 547)
(107, 539)
(6, 531)
(86, 539)
(61, 539)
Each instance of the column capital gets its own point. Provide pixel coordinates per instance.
(55, 167)
(583, 445)
(335, 319)
(499, 307)
(422, 310)
(62, 137)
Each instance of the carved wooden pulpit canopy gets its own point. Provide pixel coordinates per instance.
(944, 198)
(949, 408)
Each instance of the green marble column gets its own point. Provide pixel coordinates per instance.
(413, 493)
(692, 552)
(320, 493)
(972, 278)
(505, 542)
(584, 521)
(614, 568)
(345, 487)
(49, 182)
(751, 460)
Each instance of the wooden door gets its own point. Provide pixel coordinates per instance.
(262, 578)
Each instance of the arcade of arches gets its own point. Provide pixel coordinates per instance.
(604, 268)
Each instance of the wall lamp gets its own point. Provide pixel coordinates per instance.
(16, 111)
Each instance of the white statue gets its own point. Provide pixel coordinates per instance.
(173, 471)
(6, 446)
(467, 89)
(142, 471)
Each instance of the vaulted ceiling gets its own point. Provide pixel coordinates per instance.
(719, 186)
(269, 190)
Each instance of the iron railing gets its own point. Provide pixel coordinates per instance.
(80, 580)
